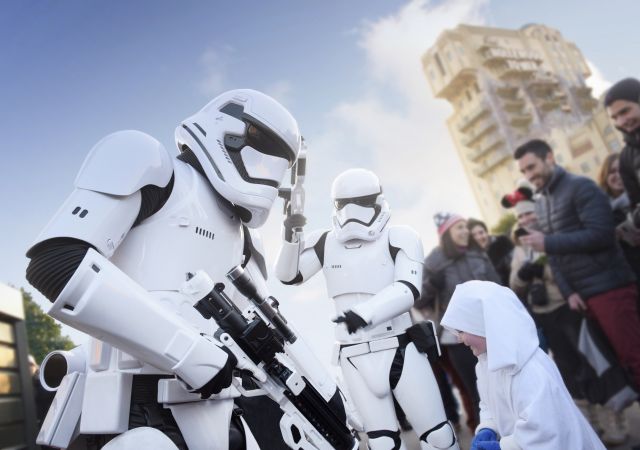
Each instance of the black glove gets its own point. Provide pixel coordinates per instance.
(353, 321)
(437, 279)
(222, 379)
(291, 222)
(530, 270)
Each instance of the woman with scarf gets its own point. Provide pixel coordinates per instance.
(454, 261)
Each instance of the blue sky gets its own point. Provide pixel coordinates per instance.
(74, 71)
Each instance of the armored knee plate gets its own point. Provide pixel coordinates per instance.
(384, 440)
(440, 437)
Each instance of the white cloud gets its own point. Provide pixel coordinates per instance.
(597, 82)
(214, 63)
(282, 91)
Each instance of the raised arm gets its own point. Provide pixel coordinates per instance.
(299, 261)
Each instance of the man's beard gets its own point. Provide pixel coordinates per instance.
(632, 138)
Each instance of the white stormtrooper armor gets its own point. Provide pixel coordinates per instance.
(113, 259)
(373, 272)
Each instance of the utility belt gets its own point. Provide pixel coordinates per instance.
(422, 334)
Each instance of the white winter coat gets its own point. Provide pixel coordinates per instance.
(522, 396)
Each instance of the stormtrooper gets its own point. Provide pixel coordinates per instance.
(113, 262)
(373, 273)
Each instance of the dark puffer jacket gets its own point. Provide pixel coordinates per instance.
(575, 215)
(471, 265)
(630, 171)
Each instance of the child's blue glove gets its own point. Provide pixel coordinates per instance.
(488, 445)
(484, 435)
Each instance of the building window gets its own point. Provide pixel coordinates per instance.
(614, 146)
(585, 167)
(439, 63)
(580, 146)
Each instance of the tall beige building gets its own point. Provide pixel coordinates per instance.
(508, 86)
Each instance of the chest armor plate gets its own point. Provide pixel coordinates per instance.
(366, 267)
(190, 232)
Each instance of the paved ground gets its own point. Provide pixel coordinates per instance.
(464, 435)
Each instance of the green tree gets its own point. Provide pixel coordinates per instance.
(505, 225)
(43, 332)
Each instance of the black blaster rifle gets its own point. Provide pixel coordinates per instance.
(311, 421)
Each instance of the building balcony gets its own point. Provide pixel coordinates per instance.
(583, 91)
(473, 116)
(549, 103)
(513, 104)
(587, 103)
(516, 69)
(494, 54)
(453, 84)
(492, 162)
(492, 143)
(542, 80)
(506, 91)
(520, 119)
(585, 98)
(560, 94)
(481, 130)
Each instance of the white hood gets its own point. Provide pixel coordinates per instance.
(494, 312)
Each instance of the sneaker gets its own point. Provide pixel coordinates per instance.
(615, 429)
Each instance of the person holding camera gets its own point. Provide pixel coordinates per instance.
(533, 281)
(577, 233)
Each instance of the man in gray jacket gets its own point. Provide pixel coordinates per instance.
(578, 235)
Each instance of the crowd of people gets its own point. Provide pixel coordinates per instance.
(573, 260)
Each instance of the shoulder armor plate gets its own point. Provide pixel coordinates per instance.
(406, 238)
(312, 238)
(124, 162)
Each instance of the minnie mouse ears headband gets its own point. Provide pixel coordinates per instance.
(519, 195)
(521, 199)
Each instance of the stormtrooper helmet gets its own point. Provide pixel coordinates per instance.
(245, 141)
(360, 209)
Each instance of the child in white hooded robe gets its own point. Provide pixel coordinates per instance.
(524, 404)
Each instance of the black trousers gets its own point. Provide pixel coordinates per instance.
(561, 327)
(464, 363)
